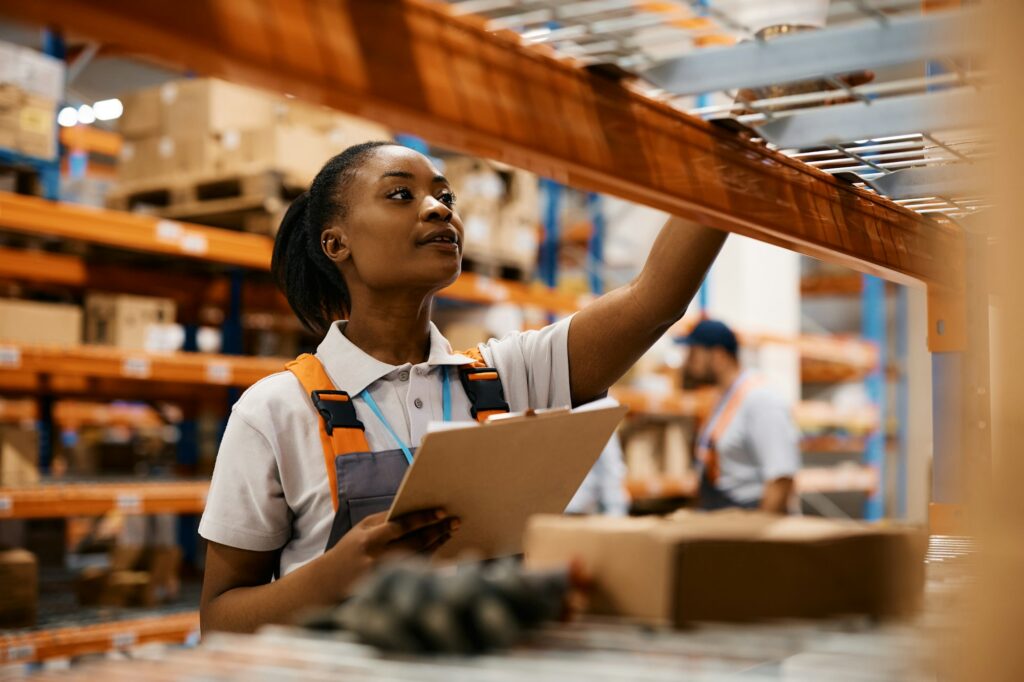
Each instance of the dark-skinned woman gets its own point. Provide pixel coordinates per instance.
(312, 456)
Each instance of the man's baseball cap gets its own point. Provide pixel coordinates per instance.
(711, 333)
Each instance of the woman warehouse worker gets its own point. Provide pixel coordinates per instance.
(312, 456)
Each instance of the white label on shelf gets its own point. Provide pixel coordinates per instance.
(166, 147)
(169, 231)
(137, 368)
(6, 505)
(196, 243)
(123, 640)
(20, 652)
(129, 503)
(169, 93)
(231, 139)
(10, 357)
(218, 372)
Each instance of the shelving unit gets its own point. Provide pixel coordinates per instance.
(40, 645)
(58, 500)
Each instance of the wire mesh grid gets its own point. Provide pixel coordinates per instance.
(636, 35)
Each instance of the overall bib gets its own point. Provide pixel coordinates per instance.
(711, 497)
(364, 482)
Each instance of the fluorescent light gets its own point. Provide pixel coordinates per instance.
(108, 109)
(67, 117)
(86, 114)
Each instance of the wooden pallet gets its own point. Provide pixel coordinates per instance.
(253, 202)
(497, 268)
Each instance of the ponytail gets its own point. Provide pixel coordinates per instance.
(311, 282)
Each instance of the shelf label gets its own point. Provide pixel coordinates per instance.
(218, 372)
(20, 652)
(10, 357)
(129, 503)
(169, 231)
(137, 368)
(123, 640)
(6, 505)
(196, 243)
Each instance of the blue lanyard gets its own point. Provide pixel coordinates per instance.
(446, 407)
(705, 439)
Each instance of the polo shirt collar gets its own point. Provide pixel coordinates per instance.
(352, 370)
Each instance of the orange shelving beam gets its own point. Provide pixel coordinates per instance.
(58, 500)
(67, 642)
(415, 66)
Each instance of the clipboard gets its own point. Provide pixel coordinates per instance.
(495, 476)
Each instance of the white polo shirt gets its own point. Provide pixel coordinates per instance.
(270, 489)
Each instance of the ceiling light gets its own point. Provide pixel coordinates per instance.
(67, 117)
(86, 114)
(108, 109)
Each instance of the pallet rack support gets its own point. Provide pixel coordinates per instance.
(873, 329)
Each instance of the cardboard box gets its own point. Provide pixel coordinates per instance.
(30, 322)
(143, 114)
(123, 320)
(32, 71)
(736, 566)
(208, 105)
(297, 153)
(19, 598)
(19, 456)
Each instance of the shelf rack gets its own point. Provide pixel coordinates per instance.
(58, 500)
(68, 642)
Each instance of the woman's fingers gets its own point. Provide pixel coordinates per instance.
(427, 538)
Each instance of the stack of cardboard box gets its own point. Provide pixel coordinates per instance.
(19, 456)
(126, 321)
(201, 129)
(19, 598)
(30, 86)
(500, 211)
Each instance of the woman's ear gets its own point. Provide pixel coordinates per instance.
(334, 243)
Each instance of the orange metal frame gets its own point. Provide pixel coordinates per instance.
(414, 66)
(93, 499)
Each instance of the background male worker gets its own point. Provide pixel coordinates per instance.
(748, 450)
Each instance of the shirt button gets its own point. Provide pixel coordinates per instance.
(403, 376)
(418, 403)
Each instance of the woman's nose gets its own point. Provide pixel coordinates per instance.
(434, 210)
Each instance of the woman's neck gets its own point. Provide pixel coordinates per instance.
(392, 329)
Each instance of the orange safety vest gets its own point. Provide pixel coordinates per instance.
(707, 446)
(341, 432)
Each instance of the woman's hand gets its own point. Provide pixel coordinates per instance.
(373, 538)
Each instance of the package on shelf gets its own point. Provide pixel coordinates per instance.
(206, 128)
(143, 568)
(518, 227)
(127, 321)
(736, 565)
(19, 598)
(32, 322)
(19, 456)
(30, 86)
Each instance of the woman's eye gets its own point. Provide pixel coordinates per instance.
(447, 198)
(402, 193)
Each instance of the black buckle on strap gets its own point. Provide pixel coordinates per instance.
(485, 395)
(336, 413)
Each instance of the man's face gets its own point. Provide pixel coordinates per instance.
(699, 369)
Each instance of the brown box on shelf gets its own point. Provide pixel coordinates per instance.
(736, 566)
(123, 320)
(19, 456)
(206, 105)
(37, 127)
(143, 114)
(19, 598)
(31, 322)
(296, 152)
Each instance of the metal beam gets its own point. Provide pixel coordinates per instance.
(889, 116)
(413, 66)
(953, 180)
(813, 54)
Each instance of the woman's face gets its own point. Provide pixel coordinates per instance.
(401, 229)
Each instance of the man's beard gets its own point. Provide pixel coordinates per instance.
(694, 381)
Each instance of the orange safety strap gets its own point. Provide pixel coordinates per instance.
(709, 454)
(341, 441)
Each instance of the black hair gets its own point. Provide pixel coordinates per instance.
(311, 282)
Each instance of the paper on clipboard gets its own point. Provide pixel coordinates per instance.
(494, 476)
